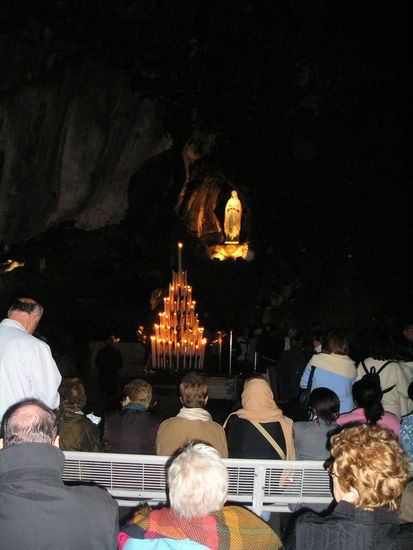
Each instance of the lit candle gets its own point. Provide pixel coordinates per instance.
(197, 356)
(179, 260)
(158, 352)
(204, 340)
(153, 351)
(185, 350)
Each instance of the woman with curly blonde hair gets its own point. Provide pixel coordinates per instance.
(369, 472)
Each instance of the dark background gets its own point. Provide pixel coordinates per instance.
(307, 101)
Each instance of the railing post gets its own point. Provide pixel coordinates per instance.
(230, 353)
(259, 484)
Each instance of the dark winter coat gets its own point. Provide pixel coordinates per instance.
(245, 441)
(130, 431)
(78, 433)
(346, 529)
(39, 512)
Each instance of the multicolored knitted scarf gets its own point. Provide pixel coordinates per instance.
(234, 528)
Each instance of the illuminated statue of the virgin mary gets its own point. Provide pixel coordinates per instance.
(233, 213)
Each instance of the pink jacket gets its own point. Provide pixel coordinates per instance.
(388, 421)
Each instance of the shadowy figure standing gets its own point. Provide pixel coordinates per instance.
(108, 362)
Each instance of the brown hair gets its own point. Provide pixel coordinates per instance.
(72, 395)
(139, 391)
(370, 459)
(335, 341)
(193, 390)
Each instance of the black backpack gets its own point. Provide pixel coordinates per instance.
(373, 376)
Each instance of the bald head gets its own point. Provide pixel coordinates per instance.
(27, 312)
(29, 421)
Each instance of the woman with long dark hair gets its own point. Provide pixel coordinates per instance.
(369, 409)
(310, 438)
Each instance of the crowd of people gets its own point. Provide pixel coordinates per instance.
(358, 418)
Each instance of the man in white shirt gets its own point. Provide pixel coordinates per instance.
(27, 368)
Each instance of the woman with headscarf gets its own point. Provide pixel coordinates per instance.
(259, 429)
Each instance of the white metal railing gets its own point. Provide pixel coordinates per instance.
(269, 485)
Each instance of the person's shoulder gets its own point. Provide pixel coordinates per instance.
(391, 420)
(91, 492)
(231, 420)
(92, 495)
(391, 416)
(310, 517)
(36, 344)
(236, 420)
(91, 426)
(150, 418)
(216, 425)
(245, 518)
(169, 422)
(406, 420)
(114, 413)
(302, 426)
(348, 416)
(71, 417)
(264, 535)
(240, 511)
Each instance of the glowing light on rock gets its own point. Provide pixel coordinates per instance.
(226, 251)
(9, 265)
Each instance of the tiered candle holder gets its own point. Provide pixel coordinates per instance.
(178, 341)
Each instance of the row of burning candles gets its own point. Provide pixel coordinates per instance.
(180, 303)
(187, 353)
(185, 329)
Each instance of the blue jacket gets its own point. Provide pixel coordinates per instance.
(341, 385)
(162, 544)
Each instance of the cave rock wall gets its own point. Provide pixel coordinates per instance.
(69, 144)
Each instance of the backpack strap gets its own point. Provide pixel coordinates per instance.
(310, 379)
(373, 371)
(383, 366)
(388, 389)
(379, 371)
(364, 367)
(269, 438)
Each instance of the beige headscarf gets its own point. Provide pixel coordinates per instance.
(258, 405)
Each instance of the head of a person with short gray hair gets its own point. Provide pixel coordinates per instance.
(197, 481)
(27, 312)
(29, 421)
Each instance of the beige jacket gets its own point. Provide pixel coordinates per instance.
(177, 432)
(396, 400)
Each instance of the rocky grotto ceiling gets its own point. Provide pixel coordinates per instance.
(124, 128)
